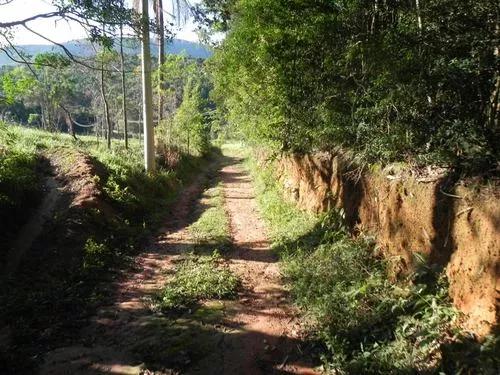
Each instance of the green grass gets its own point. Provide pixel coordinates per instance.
(198, 278)
(20, 184)
(203, 275)
(365, 322)
(212, 227)
(193, 301)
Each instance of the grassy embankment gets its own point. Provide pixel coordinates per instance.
(365, 322)
(63, 277)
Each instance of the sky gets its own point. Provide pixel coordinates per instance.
(58, 31)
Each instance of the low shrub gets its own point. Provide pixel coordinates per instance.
(96, 255)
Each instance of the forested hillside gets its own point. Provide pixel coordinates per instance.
(82, 48)
(318, 194)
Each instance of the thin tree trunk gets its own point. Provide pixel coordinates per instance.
(104, 98)
(419, 17)
(161, 55)
(48, 117)
(374, 17)
(147, 91)
(124, 90)
(106, 106)
(44, 119)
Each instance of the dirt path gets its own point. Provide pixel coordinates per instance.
(268, 336)
(258, 333)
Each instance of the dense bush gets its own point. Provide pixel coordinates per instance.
(393, 80)
(188, 126)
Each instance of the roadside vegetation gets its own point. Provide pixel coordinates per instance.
(364, 320)
(20, 184)
(211, 230)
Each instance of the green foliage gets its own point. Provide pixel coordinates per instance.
(185, 88)
(198, 278)
(212, 227)
(96, 255)
(16, 83)
(189, 126)
(386, 79)
(286, 221)
(76, 268)
(52, 59)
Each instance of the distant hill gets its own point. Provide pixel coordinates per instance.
(83, 48)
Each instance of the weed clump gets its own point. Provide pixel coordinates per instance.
(96, 255)
(198, 278)
(211, 228)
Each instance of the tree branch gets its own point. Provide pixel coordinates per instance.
(23, 22)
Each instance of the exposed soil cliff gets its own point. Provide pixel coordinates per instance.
(456, 224)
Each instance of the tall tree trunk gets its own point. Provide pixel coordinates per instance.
(147, 91)
(374, 17)
(106, 106)
(44, 116)
(124, 90)
(69, 124)
(103, 95)
(161, 55)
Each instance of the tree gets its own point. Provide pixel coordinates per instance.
(103, 56)
(124, 85)
(180, 10)
(147, 90)
(161, 52)
(393, 81)
(190, 126)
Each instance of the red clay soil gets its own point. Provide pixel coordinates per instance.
(258, 333)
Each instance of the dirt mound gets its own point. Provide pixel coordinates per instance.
(474, 267)
(455, 224)
(82, 176)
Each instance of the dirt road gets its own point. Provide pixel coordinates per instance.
(257, 333)
(268, 337)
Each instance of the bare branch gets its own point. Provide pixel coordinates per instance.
(20, 56)
(5, 25)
